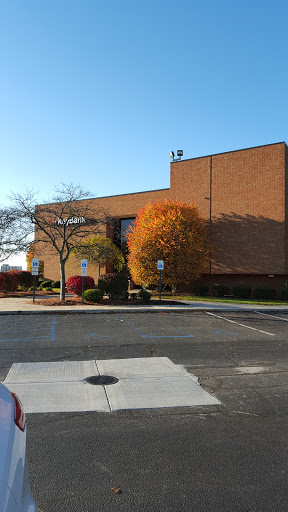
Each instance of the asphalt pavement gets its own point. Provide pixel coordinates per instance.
(231, 457)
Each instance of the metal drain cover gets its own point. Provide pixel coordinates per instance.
(101, 380)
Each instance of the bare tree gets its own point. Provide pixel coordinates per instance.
(61, 223)
(13, 239)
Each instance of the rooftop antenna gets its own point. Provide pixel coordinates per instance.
(179, 154)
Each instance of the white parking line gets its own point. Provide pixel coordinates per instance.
(242, 325)
(273, 316)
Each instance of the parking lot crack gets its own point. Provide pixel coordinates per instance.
(104, 387)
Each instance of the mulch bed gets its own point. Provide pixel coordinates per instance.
(7, 295)
(76, 301)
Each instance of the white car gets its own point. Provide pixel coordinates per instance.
(15, 494)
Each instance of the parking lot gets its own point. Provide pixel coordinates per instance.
(230, 456)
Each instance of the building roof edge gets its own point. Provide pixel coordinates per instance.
(115, 195)
(227, 152)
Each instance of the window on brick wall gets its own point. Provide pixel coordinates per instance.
(120, 230)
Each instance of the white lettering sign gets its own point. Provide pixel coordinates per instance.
(71, 220)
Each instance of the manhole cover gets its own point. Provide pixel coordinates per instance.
(101, 380)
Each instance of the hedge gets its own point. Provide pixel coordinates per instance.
(145, 296)
(45, 284)
(241, 292)
(220, 290)
(93, 295)
(284, 294)
(264, 293)
(201, 291)
(55, 284)
(9, 281)
(114, 285)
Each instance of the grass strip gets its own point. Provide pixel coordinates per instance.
(225, 300)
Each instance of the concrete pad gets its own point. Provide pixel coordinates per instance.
(61, 371)
(143, 383)
(140, 367)
(147, 393)
(60, 397)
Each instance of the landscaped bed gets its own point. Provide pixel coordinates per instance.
(77, 301)
(168, 299)
(6, 295)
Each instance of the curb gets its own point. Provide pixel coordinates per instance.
(146, 310)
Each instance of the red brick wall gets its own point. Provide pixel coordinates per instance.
(123, 206)
(286, 209)
(190, 182)
(247, 206)
(242, 194)
(253, 280)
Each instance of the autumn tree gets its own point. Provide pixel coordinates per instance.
(98, 250)
(171, 231)
(61, 223)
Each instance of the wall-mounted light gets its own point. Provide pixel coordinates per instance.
(179, 154)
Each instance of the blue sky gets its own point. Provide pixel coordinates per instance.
(99, 92)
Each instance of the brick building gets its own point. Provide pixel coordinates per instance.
(243, 196)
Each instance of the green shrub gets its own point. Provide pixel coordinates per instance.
(241, 292)
(45, 284)
(201, 291)
(48, 289)
(114, 285)
(93, 295)
(264, 293)
(284, 294)
(144, 296)
(55, 284)
(220, 290)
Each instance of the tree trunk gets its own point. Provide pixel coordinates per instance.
(62, 280)
(174, 289)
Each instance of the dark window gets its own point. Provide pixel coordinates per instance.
(125, 224)
(120, 231)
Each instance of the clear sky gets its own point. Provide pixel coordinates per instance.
(99, 92)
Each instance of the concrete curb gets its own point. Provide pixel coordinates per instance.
(105, 312)
(20, 306)
(170, 309)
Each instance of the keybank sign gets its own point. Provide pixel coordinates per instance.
(70, 220)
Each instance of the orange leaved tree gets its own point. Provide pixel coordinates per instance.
(171, 231)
